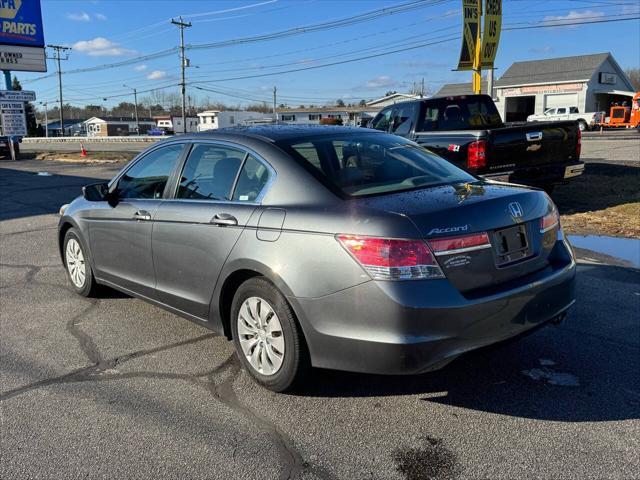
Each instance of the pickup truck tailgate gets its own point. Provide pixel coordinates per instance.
(532, 145)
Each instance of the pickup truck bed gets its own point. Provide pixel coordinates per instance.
(467, 131)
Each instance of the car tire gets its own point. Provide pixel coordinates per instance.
(77, 264)
(267, 337)
(582, 125)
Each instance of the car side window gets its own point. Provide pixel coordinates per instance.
(382, 121)
(430, 119)
(574, 110)
(148, 177)
(404, 118)
(550, 111)
(251, 181)
(209, 172)
(561, 111)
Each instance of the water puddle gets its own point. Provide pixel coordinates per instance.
(627, 249)
(551, 376)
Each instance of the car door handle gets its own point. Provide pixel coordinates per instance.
(224, 219)
(142, 215)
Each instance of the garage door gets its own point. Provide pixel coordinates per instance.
(561, 100)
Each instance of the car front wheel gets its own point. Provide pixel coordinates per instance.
(266, 335)
(77, 264)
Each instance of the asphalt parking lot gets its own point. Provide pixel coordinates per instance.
(113, 387)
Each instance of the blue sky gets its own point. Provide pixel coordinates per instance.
(108, 31)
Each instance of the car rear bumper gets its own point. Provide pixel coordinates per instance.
(547, 174)
(417, 326)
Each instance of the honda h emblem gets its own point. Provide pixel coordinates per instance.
(515, 209)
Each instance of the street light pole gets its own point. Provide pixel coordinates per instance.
(183, 64)
(46, 119)
(135, 107)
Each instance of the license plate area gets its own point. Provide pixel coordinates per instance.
(510, 245)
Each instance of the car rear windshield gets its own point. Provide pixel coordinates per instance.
(460, 113)
(372, 164)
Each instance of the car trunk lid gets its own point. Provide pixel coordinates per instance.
(508, 215)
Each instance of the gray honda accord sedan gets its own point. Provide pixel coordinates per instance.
(332, 247)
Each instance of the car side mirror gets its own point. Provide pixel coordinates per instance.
(96, 192)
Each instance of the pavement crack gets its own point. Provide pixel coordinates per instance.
(224, 392)
(85, 340)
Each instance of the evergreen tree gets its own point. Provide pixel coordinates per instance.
(32, 125)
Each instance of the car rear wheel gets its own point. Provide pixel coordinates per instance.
(77, 264)
(266, 335)
(582, 125)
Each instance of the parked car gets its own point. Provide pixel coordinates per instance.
(467, 130)
(585, 120)
(5, 151)
(332, 247)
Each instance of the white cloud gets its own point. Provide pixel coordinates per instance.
(101, 47)
(79, 17)
(100, 16)
(156, 75)
(140, 68)
(572, 17)
(383, 81)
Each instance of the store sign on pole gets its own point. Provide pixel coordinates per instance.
(17, 96)
(14, 122)
(491, 33)
(21, 36)
(470, 32)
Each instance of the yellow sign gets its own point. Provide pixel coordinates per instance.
(470, 27)
(9, 8)
(491, 33)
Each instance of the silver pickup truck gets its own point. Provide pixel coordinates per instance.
(585, 120)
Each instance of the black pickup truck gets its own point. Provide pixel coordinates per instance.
(467, 130)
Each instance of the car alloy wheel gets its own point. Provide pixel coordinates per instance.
(75, 263)
(260, 335)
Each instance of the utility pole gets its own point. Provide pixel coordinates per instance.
(275, 112)
(57, 56)
(490, 82)
(135, 107)
(183, 64)
(422, 88)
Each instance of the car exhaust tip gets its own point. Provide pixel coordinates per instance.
(558, 319)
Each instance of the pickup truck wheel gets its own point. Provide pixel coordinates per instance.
(582, 125)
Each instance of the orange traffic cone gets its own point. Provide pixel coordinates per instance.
(83, 151)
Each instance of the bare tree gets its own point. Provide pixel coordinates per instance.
(634, 76)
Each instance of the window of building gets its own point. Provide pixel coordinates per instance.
(288, 118)
(315, 116)
(334, 115)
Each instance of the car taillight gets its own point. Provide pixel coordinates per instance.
(392, 259)
(459, 244)
(550, 221)
(477, 154)
(579, 144)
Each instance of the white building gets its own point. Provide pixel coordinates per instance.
(173, 123)
(589, 82)
(313, 116)
(117, 126)
(214, 119)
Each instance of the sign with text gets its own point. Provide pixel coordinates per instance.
(14, 122)
(21, 36)
(491, 32)
(470, 27)
(17, 95)
(21, 23)
(22, 59)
